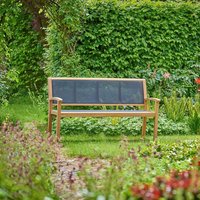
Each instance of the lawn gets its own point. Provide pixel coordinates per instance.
(109, 146)
(90, 166)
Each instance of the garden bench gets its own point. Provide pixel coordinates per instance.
(100, 92)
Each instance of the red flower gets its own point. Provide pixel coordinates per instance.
(146, 192)
(197, 80)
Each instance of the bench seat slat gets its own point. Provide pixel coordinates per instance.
(105, 113)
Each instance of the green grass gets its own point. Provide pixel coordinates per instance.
(22, 109)
(100, 146)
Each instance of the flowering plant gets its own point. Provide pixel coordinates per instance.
(185, 181)
(197, 81)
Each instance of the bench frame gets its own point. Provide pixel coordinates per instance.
(146, 113)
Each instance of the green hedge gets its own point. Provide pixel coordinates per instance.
(62, 35)
(20, 50)
(111, 38)
(120, 36)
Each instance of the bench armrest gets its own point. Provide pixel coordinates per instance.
(156, 103)
(153, 99)
(58, 99)
(59, 103)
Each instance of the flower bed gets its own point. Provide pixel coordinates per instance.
(182, 185)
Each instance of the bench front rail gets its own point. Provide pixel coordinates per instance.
(99, 92)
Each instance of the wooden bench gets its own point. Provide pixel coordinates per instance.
(100, 92)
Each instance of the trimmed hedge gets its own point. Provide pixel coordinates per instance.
(119, 36)
(111, 38)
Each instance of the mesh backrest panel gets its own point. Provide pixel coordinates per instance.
(98, 91)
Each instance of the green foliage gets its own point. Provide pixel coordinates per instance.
(120, 126)
(3, 86)
(62, 32)
(194, 105)
(188, 149)
(21, 51)
(181, 109)
(120, 36)
(161, 83)
(26, 164)
(194, 123)
(179, 1)
(93, 146)
(25, 109)
(194, 115)
(175, 108)
(143, 39)
(136, 166)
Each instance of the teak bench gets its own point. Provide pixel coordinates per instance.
(99, 92)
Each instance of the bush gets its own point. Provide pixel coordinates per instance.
(20, 51)
(62, 35)
(26, 164)
(120, 36)
(127, 39)
(180, 185)
(120, 126)
(161, 82)
(194, 115)
(184, 110)
(136, 173)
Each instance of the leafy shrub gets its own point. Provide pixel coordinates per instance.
(180, 185)
(3, 87)
(21, 51)
(26, 164)
(194, 115)
(120, 126)
(171, 152)
(194, 123)
(175, 108)
(137, 171)
(184, 109)
(161, 82)
(62, 36)
(120, 36)
(126, 39)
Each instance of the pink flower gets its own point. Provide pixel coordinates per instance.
(166, 75)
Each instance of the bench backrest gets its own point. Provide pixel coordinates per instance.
(98, 91)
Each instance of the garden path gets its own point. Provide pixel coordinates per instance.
(66, 180)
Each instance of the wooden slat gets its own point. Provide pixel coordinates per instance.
(145, 89)
(107, 79)
(105, 114)
(50, 88)
(93, 104)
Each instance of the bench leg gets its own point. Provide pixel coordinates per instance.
(144, 126)
(155, 128)
(50, 123)
(58, 127)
